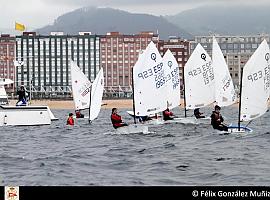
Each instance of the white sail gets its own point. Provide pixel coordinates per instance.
(256, 84)
(199, 79)
(149, 82)
(224, 88)
(172, 80)
(80, 87)
(96, 95)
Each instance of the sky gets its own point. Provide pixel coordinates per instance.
(38, 13)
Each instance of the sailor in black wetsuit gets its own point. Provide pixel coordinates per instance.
(198, 114)
(217, 120)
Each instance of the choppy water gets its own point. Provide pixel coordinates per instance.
(173, 154)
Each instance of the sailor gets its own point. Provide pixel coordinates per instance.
(79, 114)
(198, 114)
(70, 120)
(167, 115)
(22, 97)
(217, 120)
(116, 119)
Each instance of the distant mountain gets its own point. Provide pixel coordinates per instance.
(231, 20)
(103, 20)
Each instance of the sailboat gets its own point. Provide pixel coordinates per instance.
(172, 78)
(130, 112)
(23, 115)
(224, 89)
(171, 93)
(85, 94)
(254, 88)
(149, 82)
(199, 83)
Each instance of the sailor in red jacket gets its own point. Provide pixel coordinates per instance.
(70, 120)
(116, 119)
(167, 114)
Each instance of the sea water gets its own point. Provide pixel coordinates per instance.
(171, 154)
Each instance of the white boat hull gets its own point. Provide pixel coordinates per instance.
(179, 120)
(132, 128)
(24, 115)
(132, 114)
(188, 120)
(234, 129)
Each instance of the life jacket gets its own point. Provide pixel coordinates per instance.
(116, 120)
(214, 119)
(167, 115)
(70, 121)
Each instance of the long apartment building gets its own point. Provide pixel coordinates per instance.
(236, 50)
(179, 48)
(7, 56)
(119, 53)
(45, 60)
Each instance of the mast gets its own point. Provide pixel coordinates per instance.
(89, 111)
(240, 97)
(133, 98)
(184, 88)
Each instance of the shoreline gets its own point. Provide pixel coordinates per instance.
(69, 104)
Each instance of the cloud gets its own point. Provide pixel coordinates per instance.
(138, 3)
(37, 13)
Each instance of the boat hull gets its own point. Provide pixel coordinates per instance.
(24, 115)
(132, 115)
(53, 118)
(234, 129)
(132, 128)
(188, 120)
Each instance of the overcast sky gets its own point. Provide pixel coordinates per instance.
(37, 13)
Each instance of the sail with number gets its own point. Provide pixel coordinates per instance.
(149, 82)
(97, 89)
(256, 84)
(80, 87)
(224, 88)
(199, 79)
(172, 78)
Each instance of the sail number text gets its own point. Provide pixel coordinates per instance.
(156, 71)
(84, 90)
(206, 70)
(265, 74)
(175, 78)
(150, 72)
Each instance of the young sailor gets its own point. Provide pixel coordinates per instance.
(116, 119)
(79, 114)
(217, 120)
(167, 115)
(198, 114)
(22, 97)
(70, 120)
